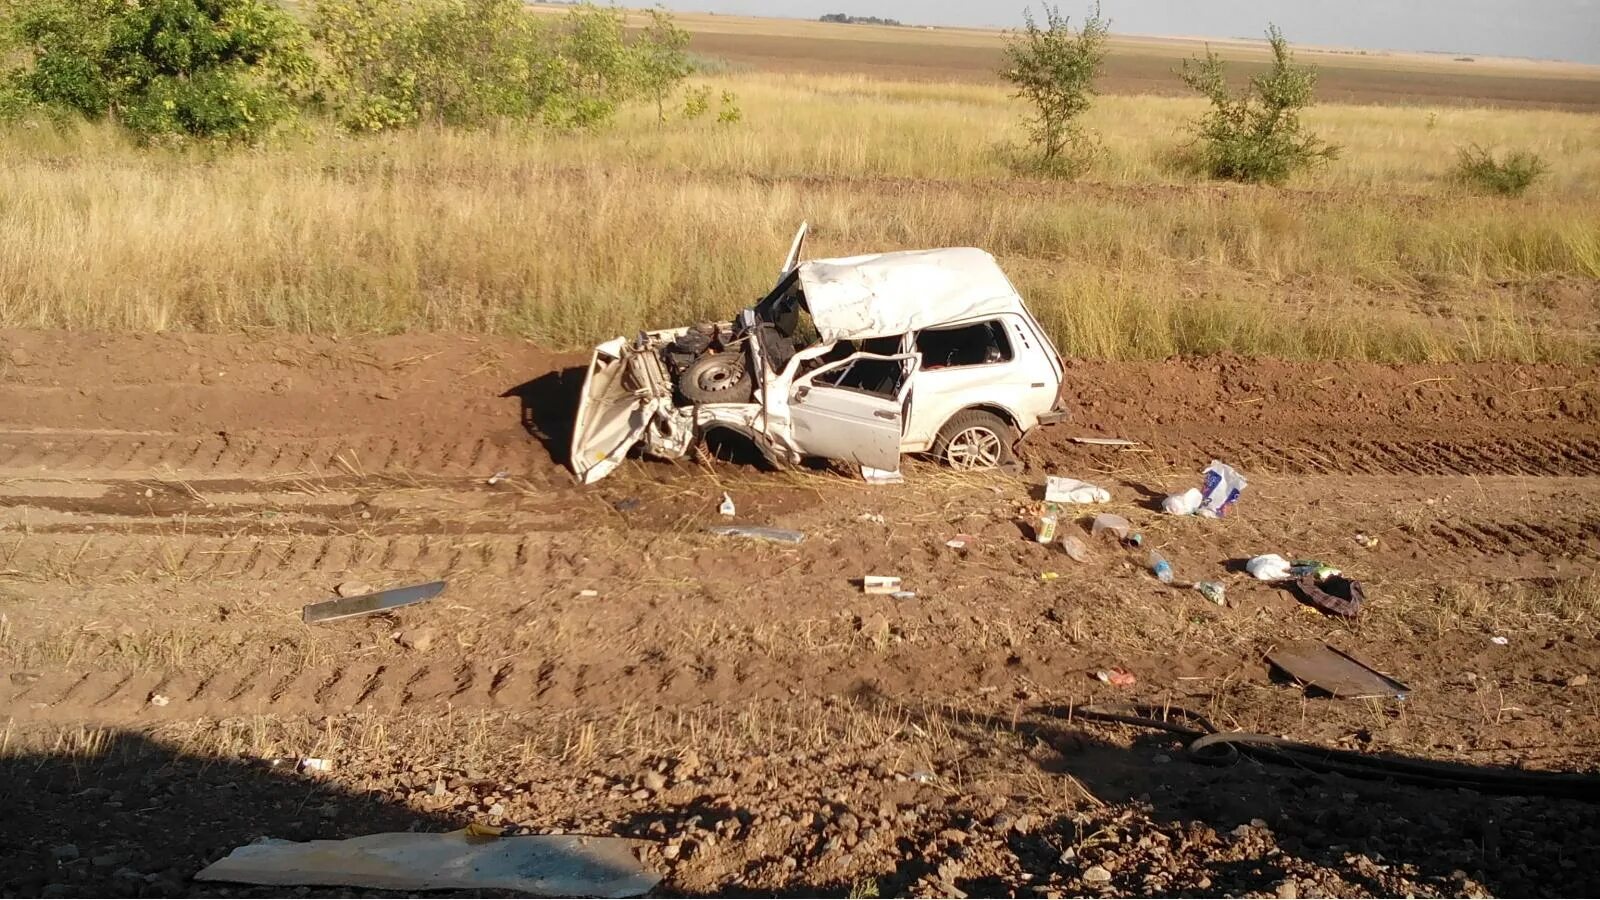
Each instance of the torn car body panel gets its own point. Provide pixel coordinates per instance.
(857, 359)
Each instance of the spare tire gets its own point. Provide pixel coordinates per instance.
(717, 378)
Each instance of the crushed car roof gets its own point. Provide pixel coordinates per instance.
(886, 294)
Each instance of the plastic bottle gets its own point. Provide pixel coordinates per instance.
(1160, 568)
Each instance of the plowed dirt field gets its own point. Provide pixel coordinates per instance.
(599, 663)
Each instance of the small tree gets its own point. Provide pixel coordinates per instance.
(1257, 135)
(200, 68)
(1510, 176)
(1054, 68)
(662, 59)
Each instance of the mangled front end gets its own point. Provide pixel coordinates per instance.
(627, 398)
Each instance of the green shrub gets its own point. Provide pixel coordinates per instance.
(1053, 69)
(696, 101)
(229, 69)
(1478, 168)
(1256, 136)
(466, 63)
(729, 112)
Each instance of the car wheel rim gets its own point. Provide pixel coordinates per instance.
(974, 448)
(719, 377)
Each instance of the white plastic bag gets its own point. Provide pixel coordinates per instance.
(1183, 504)
(1268, 567)
(1071, 490)
(1222, 487)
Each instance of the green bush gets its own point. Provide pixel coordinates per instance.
(1256, 136)
(696, 101)
(1478, 168)
(229, 69)
(1053, 69)
(466, 63)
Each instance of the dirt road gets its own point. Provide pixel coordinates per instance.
(168, 503)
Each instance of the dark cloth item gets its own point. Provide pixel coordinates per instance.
(1336, 595)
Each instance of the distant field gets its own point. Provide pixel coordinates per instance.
(1137, 65)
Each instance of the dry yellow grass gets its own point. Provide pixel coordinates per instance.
(570, 238)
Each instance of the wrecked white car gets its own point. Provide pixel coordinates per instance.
(858, 359)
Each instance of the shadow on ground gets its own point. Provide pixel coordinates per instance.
(549, 403)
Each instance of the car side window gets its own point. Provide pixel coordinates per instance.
(979, 344)
(871, 376)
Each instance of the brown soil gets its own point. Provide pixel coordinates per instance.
(168, 503)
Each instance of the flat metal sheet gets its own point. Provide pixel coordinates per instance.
(760, 533)
(1320, 666)
(368, 604)
(1105, 442)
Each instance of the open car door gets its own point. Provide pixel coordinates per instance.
(854, 409)
(799, 243)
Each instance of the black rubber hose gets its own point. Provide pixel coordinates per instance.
(1206, 744)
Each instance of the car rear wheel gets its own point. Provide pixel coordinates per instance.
(717, 378)
(975, 439)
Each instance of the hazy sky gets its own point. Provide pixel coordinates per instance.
(1544, 29)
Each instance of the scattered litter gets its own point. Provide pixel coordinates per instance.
(1268, 567)
(628, 504)
(1071, 490)
(1320, 571)
(880, 584)
(874, 518)
(881, 476)
(368, 604)
(1499, 640)
(1320, 666)
(727, 508)
(298, 764)
(159, 699)
(498, 477)
(1366, 541)
(1222, 488)
(1116, 677)
(1111, 525)
(1215, 591)
(1184, 504)
(922, 776)
(904, 595)
(1105, 442)
(1334, 595)
(1045, 531)
(1075, 548)
(961, 542)
(1049, 576)
(353, 589)
(1159, 567)
(1578, 680)
(543, 865)
(588, 592)
(760, 533)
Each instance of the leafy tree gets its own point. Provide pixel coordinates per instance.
(1054, 69)
(1257, 135)
(203, 68)
(663, 59)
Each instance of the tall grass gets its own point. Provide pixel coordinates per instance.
(570, 238)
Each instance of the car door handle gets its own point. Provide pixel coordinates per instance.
(886, 414)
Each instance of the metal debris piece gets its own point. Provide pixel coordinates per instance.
(369, 604)
(881, 476)
(880, 584)
(543, 865)
(1105, 442)
(1320, 666)
(760, 533)
(497, 477)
